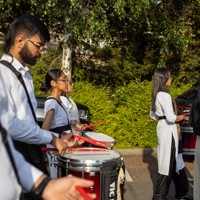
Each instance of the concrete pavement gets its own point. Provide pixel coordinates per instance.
(141, 171)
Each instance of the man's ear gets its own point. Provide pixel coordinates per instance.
(20, 40)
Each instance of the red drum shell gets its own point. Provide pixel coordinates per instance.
(102, 167)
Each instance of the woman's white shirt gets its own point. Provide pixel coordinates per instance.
(60, 115)
(72, 111)
(71, 108)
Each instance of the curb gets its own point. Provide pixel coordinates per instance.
(137, 151)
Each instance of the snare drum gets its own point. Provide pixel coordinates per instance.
(104, 167)
(97, 136)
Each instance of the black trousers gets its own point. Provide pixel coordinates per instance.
(163, 182)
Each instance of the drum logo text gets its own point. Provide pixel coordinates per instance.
(112, 191)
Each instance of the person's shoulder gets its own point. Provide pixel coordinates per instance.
(163, 95)
(64, 100)
(51, 100)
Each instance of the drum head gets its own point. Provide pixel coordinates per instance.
(98, 136)
(91, 157)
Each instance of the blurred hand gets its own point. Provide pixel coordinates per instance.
(60, 145)
(67, 137)
(80, 127)
(65, 189)
(186, 118)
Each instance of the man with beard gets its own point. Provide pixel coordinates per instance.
(24, 45)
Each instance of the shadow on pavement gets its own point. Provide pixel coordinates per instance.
(152, 164)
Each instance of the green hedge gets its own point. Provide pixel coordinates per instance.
(126, 110)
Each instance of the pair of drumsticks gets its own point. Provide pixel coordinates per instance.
(103, 144)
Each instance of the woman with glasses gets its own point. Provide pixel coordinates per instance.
(56, 116)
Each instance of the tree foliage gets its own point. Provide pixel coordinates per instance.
(116, 41)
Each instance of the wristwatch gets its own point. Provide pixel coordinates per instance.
(39, 190)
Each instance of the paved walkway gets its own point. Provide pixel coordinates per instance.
(141, 166)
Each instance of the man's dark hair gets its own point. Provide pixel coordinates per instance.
(28, 25)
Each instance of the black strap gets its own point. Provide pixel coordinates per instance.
(62, 107)
(161, 117)
(61, 129)
(19, 76)
(5, 141)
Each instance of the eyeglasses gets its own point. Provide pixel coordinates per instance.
(65, 81)
(39, 46)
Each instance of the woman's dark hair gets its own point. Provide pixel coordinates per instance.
(52, 74)
(160, 77)
(28, 25)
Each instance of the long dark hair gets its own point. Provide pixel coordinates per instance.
(160, 77)
(28, 25)
(52, 74)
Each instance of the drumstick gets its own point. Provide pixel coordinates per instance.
(83, 193)
(90, 125)
(95, 142)
(46, 149)
(86, 126)
(98, 123)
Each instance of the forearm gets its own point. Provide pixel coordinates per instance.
(179, 118)
(21, 130)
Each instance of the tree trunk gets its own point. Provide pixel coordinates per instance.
(67, 55)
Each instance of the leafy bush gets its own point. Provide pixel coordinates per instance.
(97, 99)
(135, 128)
(126, 110)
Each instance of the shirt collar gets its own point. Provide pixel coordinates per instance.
(17, 65)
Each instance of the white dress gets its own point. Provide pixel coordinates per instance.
(166, 128)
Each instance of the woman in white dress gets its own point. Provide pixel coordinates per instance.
(170, 162)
